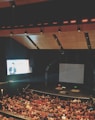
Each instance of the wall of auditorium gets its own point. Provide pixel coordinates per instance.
(10, 49)
(45, 63)
(2, 59)
(49, 60)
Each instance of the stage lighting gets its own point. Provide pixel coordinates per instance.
(78, 29)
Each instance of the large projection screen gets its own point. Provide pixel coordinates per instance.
(18, 66)
(71, 73)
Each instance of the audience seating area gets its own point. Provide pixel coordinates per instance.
(33, 105)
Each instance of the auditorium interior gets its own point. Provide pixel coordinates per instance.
(52, 45)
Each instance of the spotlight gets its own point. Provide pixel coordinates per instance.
(78, 29)
(59, 30)
(25, 33)
(11, 33)
(41, 31)
(13, 5)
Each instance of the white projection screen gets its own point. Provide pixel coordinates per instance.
(21, 66)
(71, 73)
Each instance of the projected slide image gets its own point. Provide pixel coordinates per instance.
(20, 66)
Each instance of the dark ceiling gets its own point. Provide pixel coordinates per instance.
(48, 16)
(46, 11)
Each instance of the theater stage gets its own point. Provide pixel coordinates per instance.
(65, 92)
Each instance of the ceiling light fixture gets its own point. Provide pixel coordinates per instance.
(11, 33)
(78, 29)
(25, 32)
(59, 30)
(13, 5)
(41, 30)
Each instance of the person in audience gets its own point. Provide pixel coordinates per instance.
(36, 106)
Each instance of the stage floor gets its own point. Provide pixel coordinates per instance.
(74, 93)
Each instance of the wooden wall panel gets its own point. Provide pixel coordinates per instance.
(45, 41)
(72, 40)
(92, 38)
(24, 41)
